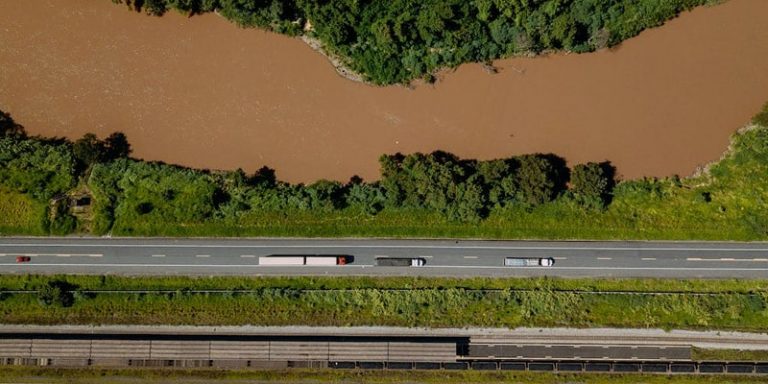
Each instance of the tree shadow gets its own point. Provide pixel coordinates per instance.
(609, 171)
(562, 173)
(10, 128)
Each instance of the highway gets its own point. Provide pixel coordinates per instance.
(456, 258)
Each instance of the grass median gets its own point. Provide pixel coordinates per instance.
(407, 302)
(152, 376)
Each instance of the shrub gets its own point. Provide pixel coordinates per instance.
(592, 184)
(56, 293)
(762, 117)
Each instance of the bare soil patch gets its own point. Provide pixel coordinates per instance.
(201, 92)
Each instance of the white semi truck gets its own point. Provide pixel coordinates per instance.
(289, 260)
(529, 262)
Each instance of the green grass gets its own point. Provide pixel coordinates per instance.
(152, 376)
(20, 214)
(729, 354)
(395, 302)
(113, 282)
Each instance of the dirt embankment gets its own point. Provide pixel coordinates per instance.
(201, 92)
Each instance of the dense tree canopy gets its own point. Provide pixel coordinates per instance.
(592, 183)
(40, 168)
(399, 40)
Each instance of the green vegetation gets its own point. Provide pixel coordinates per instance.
(728, 354)
(409, 302)
(20, 214)
(152, 376)
(36, 174)
(762, 117)
(185, 283)
(400, 40)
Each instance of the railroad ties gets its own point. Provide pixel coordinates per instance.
(395, 353)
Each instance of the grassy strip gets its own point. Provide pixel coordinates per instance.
(728, 354)
(151, 376)
(275, 303)
(20, 214)
(112, 282)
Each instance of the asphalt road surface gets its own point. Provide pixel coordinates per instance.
(443, 257)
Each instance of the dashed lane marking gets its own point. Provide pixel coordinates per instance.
(248, 256)
(648, 258)
(202, 255)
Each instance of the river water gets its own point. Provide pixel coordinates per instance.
(202, 92)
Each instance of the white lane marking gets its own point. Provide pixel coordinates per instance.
(560, 258)
(470, 257)
(248, 256)
(605, 258)
(648, 258)
(202, 255)
(158, 255)
(54, 254)
(724, 259)
(527, 248)
(554, 269)
(426, 257)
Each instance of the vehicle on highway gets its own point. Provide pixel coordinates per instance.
(529, 261)
(321, 260)
(400, 261)
(23, 259)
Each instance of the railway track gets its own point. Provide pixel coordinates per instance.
(368, 350)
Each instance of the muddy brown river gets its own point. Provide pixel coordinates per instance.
(201, 92)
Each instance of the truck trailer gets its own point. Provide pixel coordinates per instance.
(528, 262)
(400, 261)
(289, 260)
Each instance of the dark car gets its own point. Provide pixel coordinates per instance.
(23, 259)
